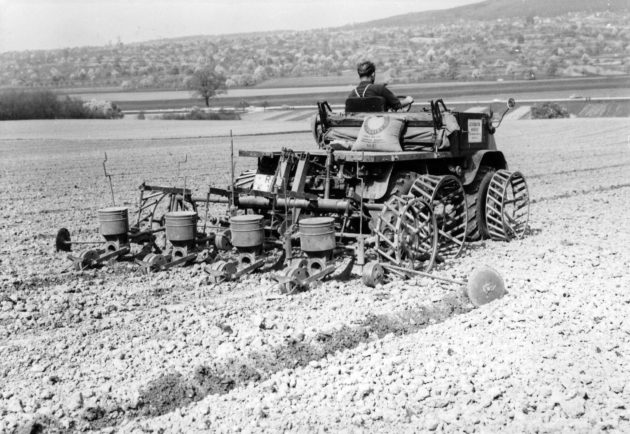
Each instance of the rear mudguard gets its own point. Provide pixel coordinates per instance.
(489, 158)
(376, 189)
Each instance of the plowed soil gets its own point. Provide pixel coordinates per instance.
(117, 350)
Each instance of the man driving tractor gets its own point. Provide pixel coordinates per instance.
(367, 88)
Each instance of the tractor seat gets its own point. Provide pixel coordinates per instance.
(367, 104)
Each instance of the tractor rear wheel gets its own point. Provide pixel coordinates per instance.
(446, 196)
(406, 233)
(476, 201)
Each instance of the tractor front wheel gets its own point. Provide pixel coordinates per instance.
(476, 201)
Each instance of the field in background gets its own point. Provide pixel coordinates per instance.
(66, 151)
(298, 96)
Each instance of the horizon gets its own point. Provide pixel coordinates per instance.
(61, 23)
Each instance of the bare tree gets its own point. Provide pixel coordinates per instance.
(206, 83)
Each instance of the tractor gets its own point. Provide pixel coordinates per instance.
(390, 193)
(400, 190)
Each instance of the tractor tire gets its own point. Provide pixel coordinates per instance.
(476, 202)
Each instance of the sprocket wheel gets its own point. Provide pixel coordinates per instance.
(407, 233)
(507, 206)
(446, 196)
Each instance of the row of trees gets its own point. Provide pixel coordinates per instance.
(573, 44)
(44, 104)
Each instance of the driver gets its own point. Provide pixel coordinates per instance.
(367, 87)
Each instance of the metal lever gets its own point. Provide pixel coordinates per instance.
(109, 177)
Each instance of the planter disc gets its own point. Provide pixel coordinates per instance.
(484, 286)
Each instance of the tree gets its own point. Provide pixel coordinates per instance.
(243, 104)
(206, 83)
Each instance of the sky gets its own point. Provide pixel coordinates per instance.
(46, 24)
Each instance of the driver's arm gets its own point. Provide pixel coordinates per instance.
(392, 100)
(407, 101)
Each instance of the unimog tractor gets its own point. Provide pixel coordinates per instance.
(410, 188)
(387, 192)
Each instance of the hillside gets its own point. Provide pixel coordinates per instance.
(499, 39)
(500, 9)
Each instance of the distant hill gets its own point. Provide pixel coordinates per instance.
(499, 9)
(489, 40)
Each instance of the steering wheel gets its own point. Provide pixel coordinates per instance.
(404, 109)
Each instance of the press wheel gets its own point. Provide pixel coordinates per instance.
(507, 206)
(155, 261)
(221, 270)
(86, 259)
(63, 241)
(293, 276)
(373, 274)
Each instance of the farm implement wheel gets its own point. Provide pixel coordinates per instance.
(293, 278)
(85, 259)
(154, 262)
(446, 196)
(507, 206)
(63, 241)
(406, 233)
(373, 274)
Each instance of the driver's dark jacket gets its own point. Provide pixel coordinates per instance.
(366, 89)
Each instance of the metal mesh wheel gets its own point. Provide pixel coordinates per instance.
(507, 206)
(446, 196)
(407, 234)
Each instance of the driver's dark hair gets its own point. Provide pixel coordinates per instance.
(366, 68)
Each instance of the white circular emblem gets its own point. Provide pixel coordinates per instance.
(375, 124)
